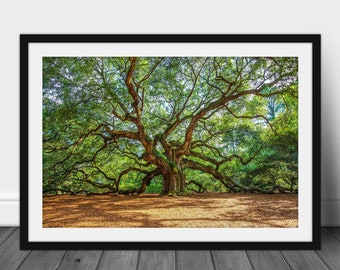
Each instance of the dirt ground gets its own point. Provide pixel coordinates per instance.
(217, 210)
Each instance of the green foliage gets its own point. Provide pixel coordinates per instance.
(246, 133)
(155, 186)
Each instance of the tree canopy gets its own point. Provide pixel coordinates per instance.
(170, 124)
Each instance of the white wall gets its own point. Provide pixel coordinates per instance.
(176, 16)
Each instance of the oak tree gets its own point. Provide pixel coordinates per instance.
(117, 124)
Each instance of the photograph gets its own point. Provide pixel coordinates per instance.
(170, 141)
(185, 142)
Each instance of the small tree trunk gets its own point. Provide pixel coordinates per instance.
(178, 182)
(291, 186)
(58, 191)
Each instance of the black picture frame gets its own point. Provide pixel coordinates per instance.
(26, 40)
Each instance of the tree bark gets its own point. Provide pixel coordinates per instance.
(173, 180)
(166, 182)
(172, 183)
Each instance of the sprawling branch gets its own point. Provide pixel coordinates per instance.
(252, 117)
(227, 181)
(201, 187)
(145, 181)
(137, 110)
(221, 102)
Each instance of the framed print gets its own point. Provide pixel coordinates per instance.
(170, 141)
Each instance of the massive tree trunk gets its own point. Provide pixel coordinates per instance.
(166, 181)
(173, 183)
(173, 179)
(169, 183)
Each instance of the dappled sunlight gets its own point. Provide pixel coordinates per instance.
(212, 210)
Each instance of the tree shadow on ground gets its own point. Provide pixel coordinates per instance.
(213, 210)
